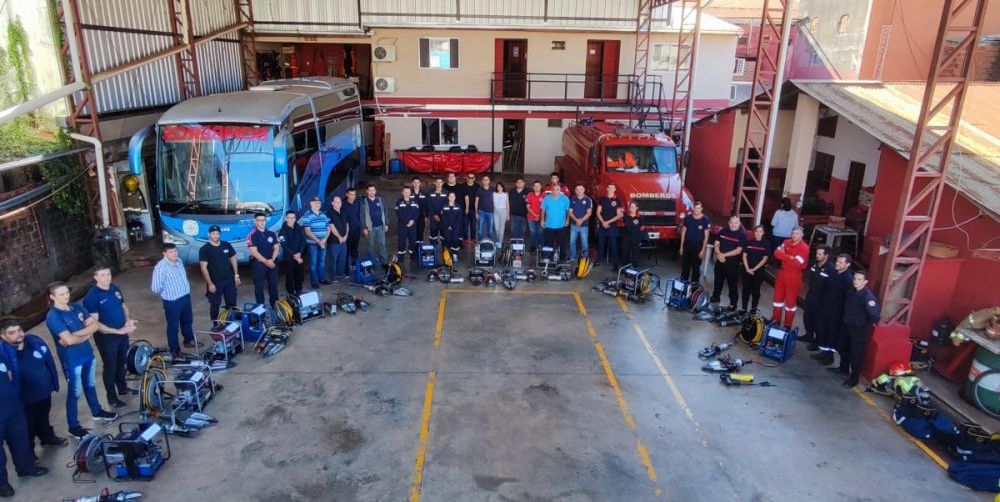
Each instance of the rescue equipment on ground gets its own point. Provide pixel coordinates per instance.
(254, 319)
(514, 254)
(274, 341)
(176, 394)
(729, 364)
(346, 303)
(546, 256)
(778, 342)
(88, 458)
(107, 496)
(227, 343)
(509, 280)
(637, 285)
(447, 259)
(477, 276)
(679, 296)
(137, 357)
(752, 329)
(700, 299)
(899, 369)
(560, 272)
(304, 307)
(742, 380)
(427, 254)
(364, 270)
(486, 254)
(714, 350)
(137, 452)
(584, 266)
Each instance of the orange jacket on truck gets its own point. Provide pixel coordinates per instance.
(643, 168)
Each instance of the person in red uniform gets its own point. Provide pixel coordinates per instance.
(793, 255)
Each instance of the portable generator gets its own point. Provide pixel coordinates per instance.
(515, 253)
(778, 342)
(635, 284)
(561, 272)
(546, 256)
(486, 254)
(136, 454)
(227, 343)
(427, 254)
(364, 270)
(306, 306)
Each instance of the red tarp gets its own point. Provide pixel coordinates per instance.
(447, 162)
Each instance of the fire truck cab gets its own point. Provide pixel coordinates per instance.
(643, 168)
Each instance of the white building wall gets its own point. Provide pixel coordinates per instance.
(477, 62)
(543, 144)
(851, 144)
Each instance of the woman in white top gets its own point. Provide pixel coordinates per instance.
(782, 223)
(501, 211)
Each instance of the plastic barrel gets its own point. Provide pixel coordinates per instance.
(395, 166)
(984, 360)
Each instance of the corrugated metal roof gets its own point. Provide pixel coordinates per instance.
(304, 16)
(269, 107)
(888, 111)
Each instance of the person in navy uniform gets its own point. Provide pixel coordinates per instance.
(13, 426)
(264, 250)
(419, 195)
(407, 214)
(72, 326)
(755, 254)
(832, 310)
(217, 260)
(452, 219)
(609, 214)
(352, 213)
(436, 201)
(694, 242)
(861, 312)
(35, 370)
(632, 235)
(820, 274)
(106, 302)
(728, 261)
(293, 243)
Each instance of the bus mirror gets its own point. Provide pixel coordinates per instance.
(135, 150)
(280, 153)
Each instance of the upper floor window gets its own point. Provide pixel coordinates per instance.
(663, 57)
(439, 53)
(740, 67)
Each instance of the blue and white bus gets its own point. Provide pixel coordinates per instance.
(221, 158)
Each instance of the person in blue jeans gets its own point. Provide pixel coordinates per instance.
(534, 202)
(484, 208)
(337, 239)
(316, 223)
(72, 327)
(555, 219)
(580, 209)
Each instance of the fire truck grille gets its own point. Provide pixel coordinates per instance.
(658, 205)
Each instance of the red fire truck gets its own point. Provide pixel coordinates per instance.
(643, 167)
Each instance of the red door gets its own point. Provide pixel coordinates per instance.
(601, 71)
(510, 68)
(593, 69)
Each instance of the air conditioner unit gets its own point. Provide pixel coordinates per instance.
(384, 53)
(385, 85)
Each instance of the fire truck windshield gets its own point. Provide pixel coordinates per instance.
(641, 159)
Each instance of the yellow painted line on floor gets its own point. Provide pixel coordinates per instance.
(505, 292)
(920, 444)
(425, 427)
(640, 448)
(440, 320)
(676, 391)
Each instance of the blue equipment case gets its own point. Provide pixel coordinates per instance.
(364, 270)
(778, 343)
(427, 254)
(679, 296)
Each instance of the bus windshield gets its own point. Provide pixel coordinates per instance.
(218, 169)
(641, 159)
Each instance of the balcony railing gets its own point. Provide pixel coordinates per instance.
(571, 89)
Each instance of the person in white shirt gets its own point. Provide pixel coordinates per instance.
(782, 223)
(501, 211)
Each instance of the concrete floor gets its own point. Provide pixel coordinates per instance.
(550, 393)
(522, 409)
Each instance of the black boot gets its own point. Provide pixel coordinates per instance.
(826, 358)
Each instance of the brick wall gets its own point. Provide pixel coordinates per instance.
(986, 65)
(39, 246)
